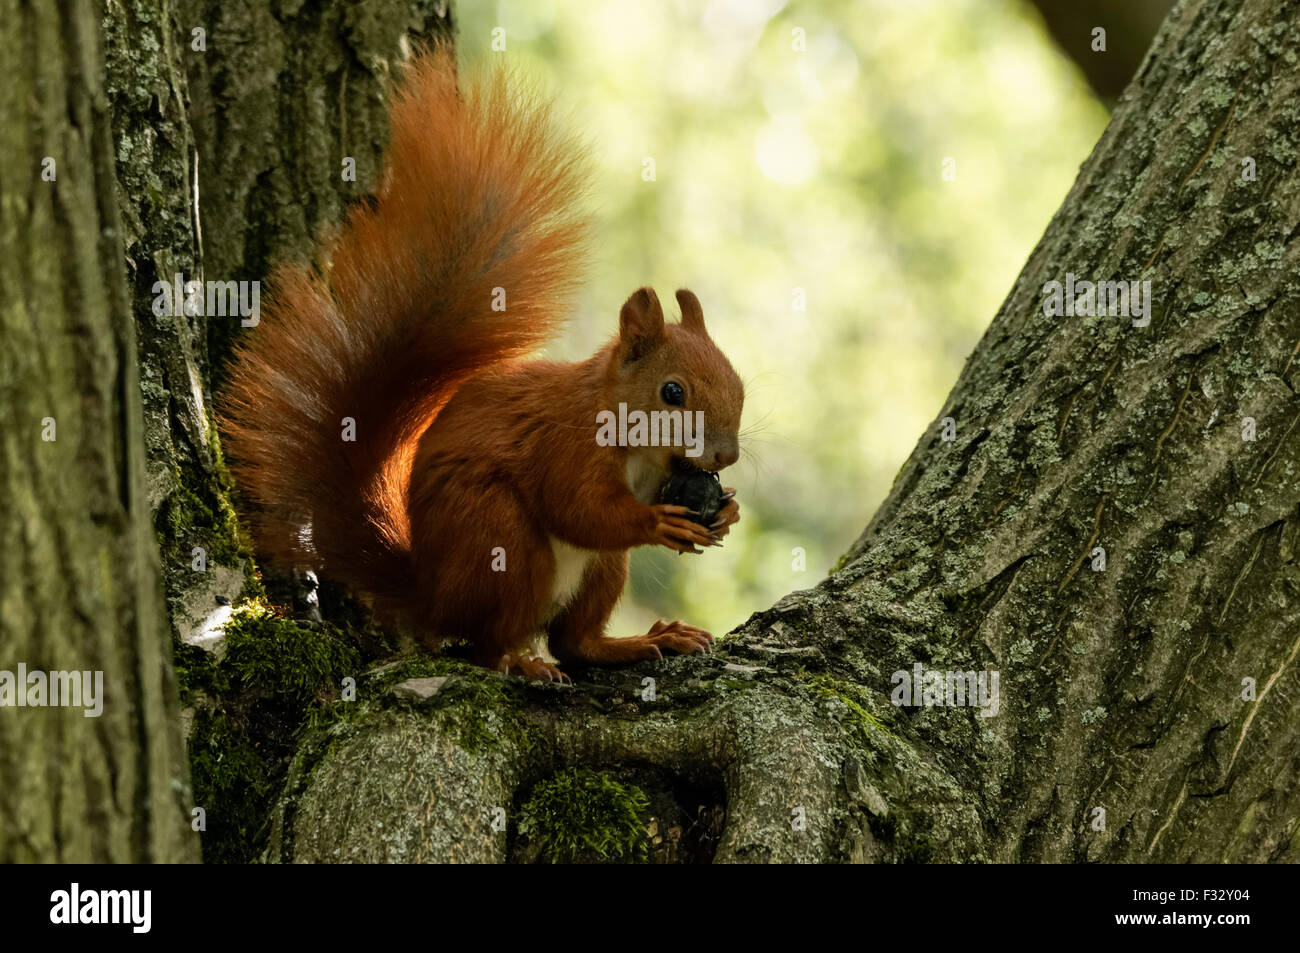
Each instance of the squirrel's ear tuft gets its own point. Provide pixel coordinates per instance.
(692, 313)
(640, 324)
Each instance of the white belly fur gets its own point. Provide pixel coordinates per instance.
(570, 565)
(571, 562)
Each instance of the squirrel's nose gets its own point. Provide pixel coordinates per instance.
(725, 458)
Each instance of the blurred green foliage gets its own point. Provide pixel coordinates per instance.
(779, 168)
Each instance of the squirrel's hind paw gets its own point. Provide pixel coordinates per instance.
(533, 668)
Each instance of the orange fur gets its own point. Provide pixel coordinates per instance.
(461, 446)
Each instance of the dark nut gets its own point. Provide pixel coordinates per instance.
(695, 489)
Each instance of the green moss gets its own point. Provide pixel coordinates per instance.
(379, 681)
(580, 815)
(197, 671)
(266, 690)
(232, 784)
(465, 710)
(199, 513)
(474, 706)
(465, 705)
(277, 691)
(321, 717)
(862, 722)
(724, 685)
(278, 658)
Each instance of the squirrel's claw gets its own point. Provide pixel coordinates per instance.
(677, 531)
(532, 668)
(677, 636)
(728, 515)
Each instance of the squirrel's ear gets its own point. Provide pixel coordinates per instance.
(692, 313)
(640, 324)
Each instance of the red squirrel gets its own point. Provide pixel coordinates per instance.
(384, 419)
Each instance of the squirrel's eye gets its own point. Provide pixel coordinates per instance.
(673, 394)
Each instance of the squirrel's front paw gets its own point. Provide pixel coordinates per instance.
(674, 528)
(728, 515)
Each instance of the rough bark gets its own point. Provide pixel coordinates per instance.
(158, 205)
(143, 119)
(282, 95)
(1121, 689)
(79, 586)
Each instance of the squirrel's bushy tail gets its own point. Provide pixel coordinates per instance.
(463, 259)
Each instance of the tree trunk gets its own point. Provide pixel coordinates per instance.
(139, 103)
(79, 588)
(1127, 728)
